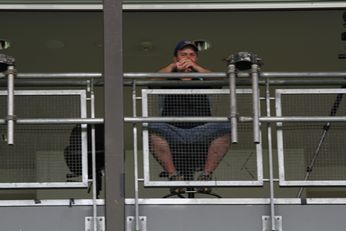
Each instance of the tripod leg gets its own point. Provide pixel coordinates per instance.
(326, 127)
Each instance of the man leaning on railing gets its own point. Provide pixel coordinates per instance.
(166, 137)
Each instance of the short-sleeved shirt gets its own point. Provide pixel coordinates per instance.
(185, 105)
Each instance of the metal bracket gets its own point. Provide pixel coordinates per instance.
(266, 223)
(11, 72)
(89, 224)
(131, 223)
(11, 117)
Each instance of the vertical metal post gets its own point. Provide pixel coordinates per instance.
(10, 105)
(93, 153)
(255, 103)
(270, 157)
(114, 116)
(233, 102)
(135, 154)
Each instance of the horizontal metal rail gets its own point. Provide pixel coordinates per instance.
(240, 74)
(234, 201)
(182, 201)
(239, 82)
(216, 79)
(241, 119)
(49, 202)
(230, 6)
(57, 75)
(150, 75)
(175, 119)
(174, 75)
(170, 83)
(57, 121)
(177, 6)
(302, 74)
(304, 119)
(44, 185)
(52, 83)
(312, 119)
(55, 7)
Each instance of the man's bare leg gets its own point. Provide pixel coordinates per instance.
(216, 151)
(162, 153)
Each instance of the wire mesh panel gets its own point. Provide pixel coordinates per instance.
(311, 153)
(196, 147)
(37, 158)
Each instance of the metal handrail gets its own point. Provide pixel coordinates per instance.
(216, 79)
(144, 75)
(266, 119)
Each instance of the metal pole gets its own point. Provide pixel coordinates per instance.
(10, 105)
(114, 115)
(57, 121)
(242, 119)
(310, 78)
(233, 103)
(159, 6)
(255, 103)
(272, 75)
(72, 76)
(239, 82)
(303, 74)
(174, 75)
(339, 119)
(304, 119)
(175, 119)
(148, 75)
(135, 154)
(93, 153)
(270, 157)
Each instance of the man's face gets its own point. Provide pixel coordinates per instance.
(186, 53)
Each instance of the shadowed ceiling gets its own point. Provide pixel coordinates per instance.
(305, 40)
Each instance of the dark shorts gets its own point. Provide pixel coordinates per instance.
(201, 134)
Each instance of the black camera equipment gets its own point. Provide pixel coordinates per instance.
(5, 62)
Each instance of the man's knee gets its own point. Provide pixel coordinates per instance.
(221, 142)
(157, 140)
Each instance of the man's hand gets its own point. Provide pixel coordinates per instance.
(186, 65)
(183, 65)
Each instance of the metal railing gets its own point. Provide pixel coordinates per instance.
(267, 79)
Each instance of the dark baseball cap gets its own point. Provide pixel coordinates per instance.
(183, 44)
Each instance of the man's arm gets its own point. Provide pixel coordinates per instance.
(200, 69)
(169, 68)
(184, 66)
(187, 65)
